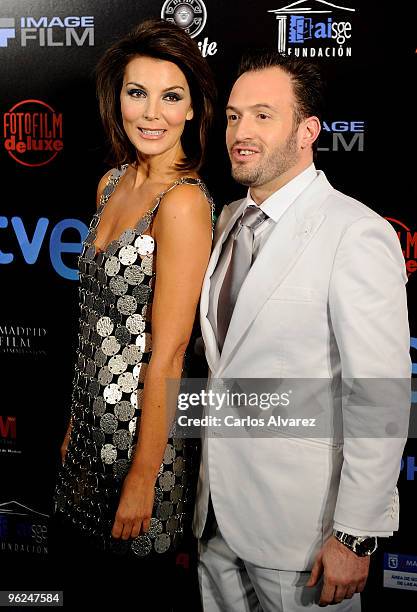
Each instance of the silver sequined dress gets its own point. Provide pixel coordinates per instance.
(114, 348)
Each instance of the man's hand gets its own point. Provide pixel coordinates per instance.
(344, 573)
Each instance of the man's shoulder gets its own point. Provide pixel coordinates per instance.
(347, 216)
(347, 209)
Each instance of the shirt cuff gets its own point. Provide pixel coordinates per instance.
(360, 532)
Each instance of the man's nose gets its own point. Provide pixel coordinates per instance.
(243, 129)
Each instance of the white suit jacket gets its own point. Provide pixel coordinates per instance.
(325, 298)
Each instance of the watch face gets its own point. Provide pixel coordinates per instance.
(366, 547)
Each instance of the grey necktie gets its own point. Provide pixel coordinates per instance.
(239, 266)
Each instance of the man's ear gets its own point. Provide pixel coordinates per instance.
(309, 131)
(190, 114)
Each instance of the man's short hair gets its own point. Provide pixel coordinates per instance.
(306, 78)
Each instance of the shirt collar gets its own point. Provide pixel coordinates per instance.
(280, 200)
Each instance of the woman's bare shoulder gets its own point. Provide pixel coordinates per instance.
(184, 198)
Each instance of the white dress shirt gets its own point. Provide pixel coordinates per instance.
(274, 207)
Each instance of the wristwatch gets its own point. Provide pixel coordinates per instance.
(363, 546)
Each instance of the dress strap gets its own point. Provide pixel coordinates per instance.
(114, 177)
(186, 180)
(145, 221)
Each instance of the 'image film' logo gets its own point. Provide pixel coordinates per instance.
(48, 31)
(191, 16)
(32, 133)
(7, 30)
(342, 136)
(300, 34)
(408, 241)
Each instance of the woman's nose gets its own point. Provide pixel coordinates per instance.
(151, 110)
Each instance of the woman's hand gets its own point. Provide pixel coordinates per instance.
(135, 507)
(64, 445)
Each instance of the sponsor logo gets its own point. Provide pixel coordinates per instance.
(32, 133)
(413, 345)
(47, 31)
(342, 136)
(191, 16)
(183, 560)
(400, 571)
(8, 427)
(408, 241)
(392, 561)
(22, 340)
(30, 246)
(314, 28)
(7, 30)
(22, 529)
(409, 467)
(8, 438)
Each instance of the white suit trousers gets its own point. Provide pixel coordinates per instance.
(229, 584)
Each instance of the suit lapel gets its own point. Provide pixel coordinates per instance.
(232, 213)
(279, 254)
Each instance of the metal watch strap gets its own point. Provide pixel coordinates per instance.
(354, 542)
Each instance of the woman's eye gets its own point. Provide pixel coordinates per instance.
(231, 117)
(136, 93)
(172, 97)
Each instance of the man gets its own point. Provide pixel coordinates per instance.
(303, 283)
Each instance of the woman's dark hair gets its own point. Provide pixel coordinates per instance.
(160, 40)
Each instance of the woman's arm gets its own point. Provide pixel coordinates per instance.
(65, 442)
(183, 237)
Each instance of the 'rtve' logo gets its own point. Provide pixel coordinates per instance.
(30, 247)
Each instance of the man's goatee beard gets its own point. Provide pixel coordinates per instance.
(246, 179)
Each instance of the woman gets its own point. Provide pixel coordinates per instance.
(122, 483)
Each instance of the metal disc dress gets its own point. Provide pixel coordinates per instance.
(114, 348)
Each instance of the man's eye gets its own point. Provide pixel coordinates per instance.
(263, 116)
(136, 93)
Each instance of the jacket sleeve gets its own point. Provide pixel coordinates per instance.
(368, 312)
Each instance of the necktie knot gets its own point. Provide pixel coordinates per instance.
(252, 217)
